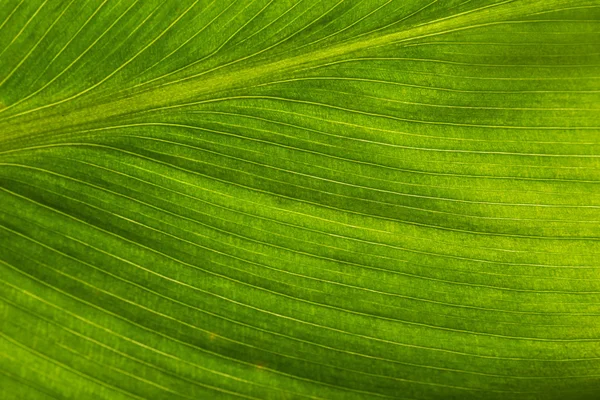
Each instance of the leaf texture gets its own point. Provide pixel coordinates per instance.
(300, 199)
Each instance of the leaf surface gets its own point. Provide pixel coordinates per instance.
(303, 199)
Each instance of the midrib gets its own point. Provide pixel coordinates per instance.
(36, 125)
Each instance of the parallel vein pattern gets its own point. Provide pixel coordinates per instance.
(267, 199)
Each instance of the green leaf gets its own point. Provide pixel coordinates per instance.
(300, 199)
